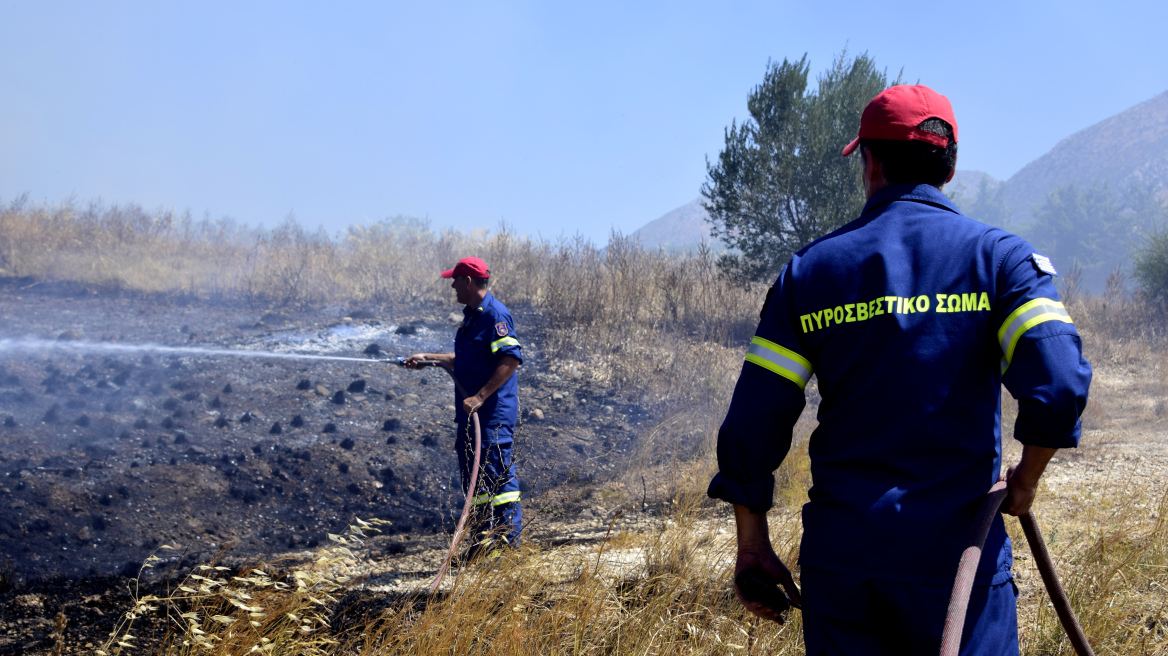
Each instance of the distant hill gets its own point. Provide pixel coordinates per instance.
(1132, 145)
(683, 228)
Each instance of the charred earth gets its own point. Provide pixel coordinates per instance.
(105, 456)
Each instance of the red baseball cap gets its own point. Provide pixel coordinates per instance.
(895, 113)
(469, 266)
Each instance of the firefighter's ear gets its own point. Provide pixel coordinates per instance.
(872, 173)
(873, 168)
(953, 172)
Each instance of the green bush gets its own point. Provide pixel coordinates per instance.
(1150, 264)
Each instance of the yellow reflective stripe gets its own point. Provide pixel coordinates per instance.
(780, 360)
(1028, 315)
(497, 500)
(500, 343)
(506, 497)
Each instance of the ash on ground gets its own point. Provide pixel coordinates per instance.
(103, 459)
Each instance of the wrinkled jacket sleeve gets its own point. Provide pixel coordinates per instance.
(1042, 354)
(767, 401)
(503, 340)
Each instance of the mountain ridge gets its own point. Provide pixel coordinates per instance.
(1131, 146)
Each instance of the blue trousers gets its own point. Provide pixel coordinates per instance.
(847, 615)
(497, 507)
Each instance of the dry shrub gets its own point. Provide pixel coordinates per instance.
(121, 248)
(1119, 326)
(618, 292)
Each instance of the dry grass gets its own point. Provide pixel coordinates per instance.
(630, 316)
(669, 327)
(256, 611)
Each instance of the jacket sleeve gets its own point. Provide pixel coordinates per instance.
(503, 340)
(1042, 355)
(767, 401)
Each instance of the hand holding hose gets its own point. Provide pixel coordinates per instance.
(1022, 479)
(471, 403)
(421, 360)
(412, 361)
(1021, 494)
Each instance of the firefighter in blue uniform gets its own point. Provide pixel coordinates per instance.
(911, 317)
(486, 355)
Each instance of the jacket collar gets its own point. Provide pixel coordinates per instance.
(487, 300)
(920, 193)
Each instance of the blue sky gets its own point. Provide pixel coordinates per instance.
(557, 117)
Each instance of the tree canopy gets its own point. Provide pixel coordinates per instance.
(780, 181)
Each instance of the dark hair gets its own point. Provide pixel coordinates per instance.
(481, 283)
(918, 162)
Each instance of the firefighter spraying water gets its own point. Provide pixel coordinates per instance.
(486, 355)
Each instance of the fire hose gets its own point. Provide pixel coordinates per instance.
(967, 569)
(474, 470)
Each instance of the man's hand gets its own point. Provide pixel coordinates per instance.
(1022, 480)
(471, 403)
(507, 366)
(754, 550)
(769, 563)
(1020, 494)
(413, 361)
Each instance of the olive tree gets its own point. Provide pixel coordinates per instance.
(780, 181)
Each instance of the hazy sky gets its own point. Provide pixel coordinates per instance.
(558, 117)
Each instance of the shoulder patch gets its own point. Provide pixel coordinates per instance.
(501, 329)
(1042, 263)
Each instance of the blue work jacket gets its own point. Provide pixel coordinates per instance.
(486, 334)
(911, 317)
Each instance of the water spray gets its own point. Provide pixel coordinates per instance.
(36, 344)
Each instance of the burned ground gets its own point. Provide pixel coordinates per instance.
(104, 457)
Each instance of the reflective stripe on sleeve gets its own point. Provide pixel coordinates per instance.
(500, 343)
(782, 361)
(1028, 315)
(480, 499)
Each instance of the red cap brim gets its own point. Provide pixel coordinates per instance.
(448, 274)
(848, 149)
